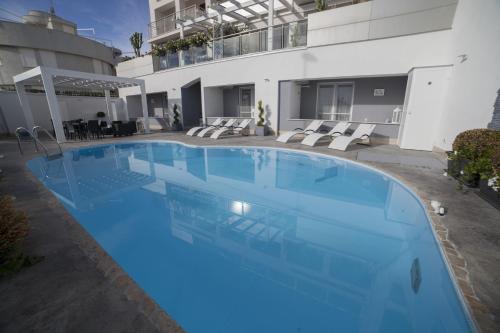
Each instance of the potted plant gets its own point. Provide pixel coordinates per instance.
(100, 114)
(489, 185)
(261, 128)
(177, 126)
(471, 157)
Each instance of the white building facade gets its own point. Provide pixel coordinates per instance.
(423, 71)
(45, 39)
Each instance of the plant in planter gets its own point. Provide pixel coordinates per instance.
(490, 185)
(199, 39)
(170, 46)
(182, 44)
(100, 114)
(177, 123)
(321, 5)
(159, 50)
(261, 129)
(471, 156)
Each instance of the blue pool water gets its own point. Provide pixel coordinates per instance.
(261, 240)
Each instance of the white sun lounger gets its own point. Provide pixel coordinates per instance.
(311, 128)
(363, 132)
(227, 129)
(337, 130)
(204, 132)
(196, 129)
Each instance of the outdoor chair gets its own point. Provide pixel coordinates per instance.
(240, 129)
(196, 129)
(230, 123)
(313, 127)
(362, 134)
(337, 130)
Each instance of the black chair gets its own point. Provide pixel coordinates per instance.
(94, 129)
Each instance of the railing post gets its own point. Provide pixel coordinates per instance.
(270, 23)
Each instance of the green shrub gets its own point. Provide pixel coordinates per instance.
(198, 39)
(176, 115)
(182, 44)
(13, 231)
(479, 148)
(261, 114)
(170, 46)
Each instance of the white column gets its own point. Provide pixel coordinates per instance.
(270, 23)
(144, 104)
(181, 34)
(50, 93)
(107, 98)
(25, 105)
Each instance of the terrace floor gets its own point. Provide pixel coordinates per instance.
(78, 288)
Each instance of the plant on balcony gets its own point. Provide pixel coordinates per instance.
(136, 42)
(171, 46)
(199, 39)
(182, 44)
(158, 50)
(321, 5)
(227, 29)
(472, 156)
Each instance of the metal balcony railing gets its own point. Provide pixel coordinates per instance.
(288, 35)
(168, 23)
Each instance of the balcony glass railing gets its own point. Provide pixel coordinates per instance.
(285, 36)
(168, 23)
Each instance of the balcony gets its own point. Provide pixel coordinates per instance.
(168, 23)
(285, 36)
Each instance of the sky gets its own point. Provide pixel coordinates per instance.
(114, 20)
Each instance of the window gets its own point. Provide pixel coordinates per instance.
(334, 101)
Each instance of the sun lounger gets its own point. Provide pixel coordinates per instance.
(362, 133)
(196, 129)
(206, 131)
(231, 129)
(311, 128)
(337, 130)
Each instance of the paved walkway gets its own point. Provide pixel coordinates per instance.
(68, 291)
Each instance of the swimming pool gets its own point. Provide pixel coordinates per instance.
(261, 240)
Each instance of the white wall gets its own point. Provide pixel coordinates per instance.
(475, 81)
(71, 107)
(423, 106)
(384, 57)
(379, 19)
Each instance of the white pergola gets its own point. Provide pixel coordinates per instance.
(50, 78)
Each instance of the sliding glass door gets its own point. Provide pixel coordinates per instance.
(334, 101)
(246, 102)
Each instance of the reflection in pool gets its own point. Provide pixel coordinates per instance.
(261, 240)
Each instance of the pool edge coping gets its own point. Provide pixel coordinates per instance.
(440, 236)
(105, 264)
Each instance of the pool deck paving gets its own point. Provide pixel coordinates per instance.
(79, 288)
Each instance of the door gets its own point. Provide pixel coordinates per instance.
(334, 101)
(246, 102)
(422, 108)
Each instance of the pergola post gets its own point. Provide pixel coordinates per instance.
(107, 98)
(48, 85)
(25, 105)
(144, 104)
(270, 23)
